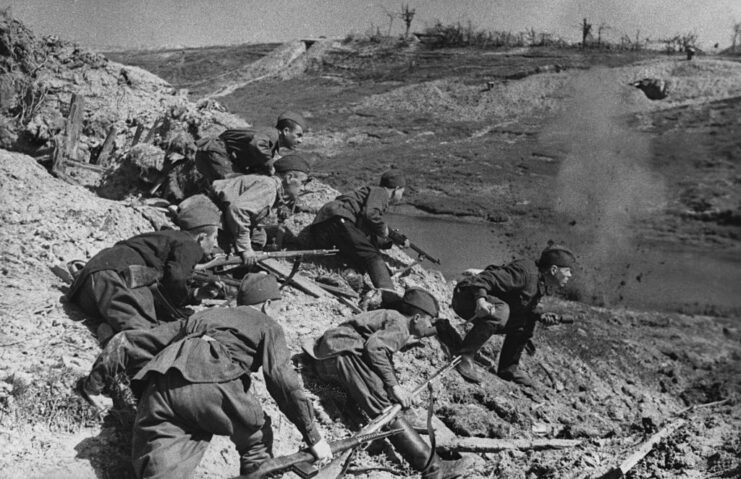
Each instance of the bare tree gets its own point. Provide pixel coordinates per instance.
(392, 17)
(736, 36)
(407, 15)
(586, 31)
(532, 36)
(602, 27)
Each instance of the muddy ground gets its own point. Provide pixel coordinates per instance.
(611, 379)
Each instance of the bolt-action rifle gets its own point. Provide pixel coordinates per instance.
(400, 239)
(371, 430)
(226, 260)
(300, 462)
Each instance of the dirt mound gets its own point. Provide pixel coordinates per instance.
(689, 82)
(600, 379)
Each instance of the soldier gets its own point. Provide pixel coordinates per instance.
(353, 223)
(502, 299)
(247, 200)
(249, 151)
(195, 378)
(358, 355)
(123, 283)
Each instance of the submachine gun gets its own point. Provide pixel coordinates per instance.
(400, 239)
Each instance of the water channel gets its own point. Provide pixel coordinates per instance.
(662, 277)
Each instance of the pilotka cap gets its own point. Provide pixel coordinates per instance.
(293, 116)
(393, 179)
(198, 211)
(422, 300)
(556, 255)
(292, 162)
(257, 288)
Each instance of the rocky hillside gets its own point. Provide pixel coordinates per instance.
(610, 380)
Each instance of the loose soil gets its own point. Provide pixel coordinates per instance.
(610, 379)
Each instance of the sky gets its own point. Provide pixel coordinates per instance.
(107, 24)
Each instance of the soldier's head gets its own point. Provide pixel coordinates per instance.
(291, 127)
(294, 172)
(422, 309)
(259, 290)
(394, 181)
(200, 217)
(555, 264)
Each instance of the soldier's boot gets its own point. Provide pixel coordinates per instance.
(410, 445)
(379, 275)
(509, 360)
(474, 340)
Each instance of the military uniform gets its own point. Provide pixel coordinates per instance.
(104, 287)
(353, 223)
(238, 152)
(518, 285)
(196, 377)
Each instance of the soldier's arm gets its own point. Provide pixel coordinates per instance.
(381, 346)
(376, 205)
(183, 257)
(284, 385)
(261, 148)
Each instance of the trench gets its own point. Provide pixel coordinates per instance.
(655, 276)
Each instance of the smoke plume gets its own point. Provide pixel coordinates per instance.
(605, 183)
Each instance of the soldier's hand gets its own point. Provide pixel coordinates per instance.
(484, 308)
(321, 450)
(549, 319)
(249, 258)
(399, 395)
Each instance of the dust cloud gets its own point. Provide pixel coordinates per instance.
(605, 185)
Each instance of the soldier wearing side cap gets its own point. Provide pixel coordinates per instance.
(243, 151)
(358, 356)
(503, 299)
(194, 380)
(118, 284)
(243, 203)
(354, 223)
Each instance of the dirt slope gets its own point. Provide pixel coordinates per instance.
(608, 374)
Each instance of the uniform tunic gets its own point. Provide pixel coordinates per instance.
(101, 288)
(238, 151)
(358, 355)
(246, 202)
(197, 384)
(353, 223)
(520, 285)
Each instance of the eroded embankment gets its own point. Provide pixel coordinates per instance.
(608, 378)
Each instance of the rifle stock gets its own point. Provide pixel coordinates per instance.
(259, 256)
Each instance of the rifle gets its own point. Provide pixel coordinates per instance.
(386, 416)
(400, 238)
(300, 462)
(225, 260)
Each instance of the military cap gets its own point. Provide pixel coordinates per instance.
(197, 211)
(422, 300)
(294, 117)
(292, 162)
(556, 255)
(393, 179)
(257, 288)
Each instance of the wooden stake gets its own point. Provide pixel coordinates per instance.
(108, 144)
(478, 444)
(137, 135)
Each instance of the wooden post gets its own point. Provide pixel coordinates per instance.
(137, 135)
(108, 144)
(153, 131)
(74, 127)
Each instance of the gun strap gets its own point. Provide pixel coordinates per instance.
(430, 429)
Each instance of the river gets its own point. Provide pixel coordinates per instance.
(662, 277)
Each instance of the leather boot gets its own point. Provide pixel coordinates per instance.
(410, 445)
(379, 274)
(476, 337)
(509, 359)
